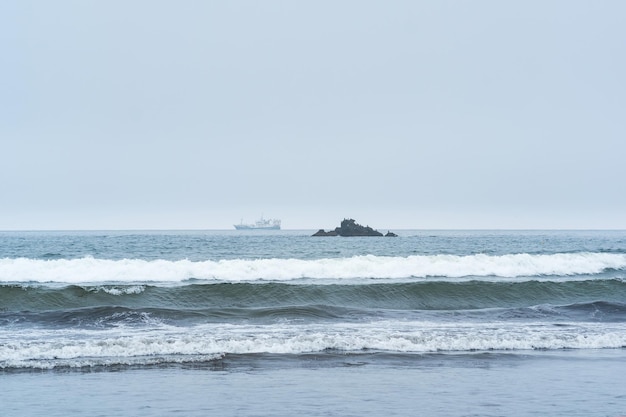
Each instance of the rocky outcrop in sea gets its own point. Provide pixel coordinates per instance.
(349, 227)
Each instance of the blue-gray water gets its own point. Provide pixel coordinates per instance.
(435, 323)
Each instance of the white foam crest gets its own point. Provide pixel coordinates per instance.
(90, 270)
(119, 290)
(79, 348)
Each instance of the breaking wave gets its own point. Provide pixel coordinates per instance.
(92, 270)
(81, 348)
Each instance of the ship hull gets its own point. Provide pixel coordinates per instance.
(252, 227)
(261, 224)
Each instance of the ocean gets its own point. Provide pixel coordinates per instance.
(279, 323)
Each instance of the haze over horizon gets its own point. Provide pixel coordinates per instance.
(401, 115)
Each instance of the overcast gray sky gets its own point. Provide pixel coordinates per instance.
(184, 114)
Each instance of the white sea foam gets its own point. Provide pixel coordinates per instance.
(91, 270)
(120, 290)
(79, 348)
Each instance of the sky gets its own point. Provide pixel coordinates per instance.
(152, 114)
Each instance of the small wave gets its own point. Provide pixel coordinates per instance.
(597, 311)
(84, 347)
(51, 255)
(119, 289)
(256, 298)
(90, 270)
(107, 362)
(102, 317)
(91, 317)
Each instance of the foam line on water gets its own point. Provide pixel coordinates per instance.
(78, 348)
(91, 270)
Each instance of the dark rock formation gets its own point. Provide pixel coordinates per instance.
(321, 232)
(351, 228)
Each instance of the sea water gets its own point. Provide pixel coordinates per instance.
(279, 323)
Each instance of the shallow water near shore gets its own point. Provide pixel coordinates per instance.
(568, 383)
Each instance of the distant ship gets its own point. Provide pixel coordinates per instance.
(261, 224)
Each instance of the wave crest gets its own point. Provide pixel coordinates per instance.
(90, 270)
(86, 348)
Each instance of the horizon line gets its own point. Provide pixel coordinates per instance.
(309, 229)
